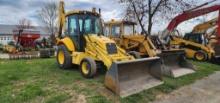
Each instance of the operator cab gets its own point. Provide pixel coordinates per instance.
(116, 29)
(82, 23)
(196, 37)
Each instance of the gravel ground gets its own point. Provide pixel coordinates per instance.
(206, 90)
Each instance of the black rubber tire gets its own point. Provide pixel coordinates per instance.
(203, 53)
(67, 58)
(92, 69)
(135, 54)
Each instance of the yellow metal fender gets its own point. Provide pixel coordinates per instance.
(67, 42)
(190, 53)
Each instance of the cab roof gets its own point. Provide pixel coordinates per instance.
(73, 12)
(119, 22)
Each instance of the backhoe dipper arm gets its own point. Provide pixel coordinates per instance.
(187, 15)
(61, 19)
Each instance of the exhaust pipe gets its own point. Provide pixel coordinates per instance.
(131, 77)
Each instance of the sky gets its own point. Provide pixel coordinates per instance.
(11, 11)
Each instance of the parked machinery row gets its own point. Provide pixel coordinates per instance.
(134, 62)
(81, 42)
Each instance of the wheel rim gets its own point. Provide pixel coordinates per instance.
(200, 56)
(85, 68)
(61, 57)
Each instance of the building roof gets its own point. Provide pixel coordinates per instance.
(8, 29)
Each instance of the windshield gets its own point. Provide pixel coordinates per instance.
(128, 29)
(115, 31)
(81, 24)
(198, 38)
(92, 25)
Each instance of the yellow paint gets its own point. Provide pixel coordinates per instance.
(61, 57)
(85, 68)
(131, 41)
(67, 42)
(199, 57)
(189, 52)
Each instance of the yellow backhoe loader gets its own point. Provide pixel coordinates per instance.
(199, 44)
(123, 32)
(81, 42)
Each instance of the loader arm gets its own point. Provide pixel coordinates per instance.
(144, 45)
(205, 26)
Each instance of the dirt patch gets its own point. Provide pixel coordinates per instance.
(109, 94)
(81, 99)
(29, 62)
(2, 62)
(18, 85)
(38, 100)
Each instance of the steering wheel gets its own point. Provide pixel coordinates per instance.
(176, 33)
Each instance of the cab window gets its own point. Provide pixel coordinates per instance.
(73, 28)
(128, 29)
(115, 31)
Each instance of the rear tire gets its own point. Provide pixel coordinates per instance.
(64, 59)
(88, 68)
(135, 54)
(200, 56)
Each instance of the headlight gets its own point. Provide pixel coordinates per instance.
(111, 48)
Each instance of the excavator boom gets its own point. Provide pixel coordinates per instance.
(187, 15)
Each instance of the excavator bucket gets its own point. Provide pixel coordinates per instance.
(127, 78)
(175, 63)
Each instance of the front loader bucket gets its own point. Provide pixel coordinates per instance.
(127, 78)
(175, 63)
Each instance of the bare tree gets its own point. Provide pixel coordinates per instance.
(48, 15)
(23, 24)
(154, 10)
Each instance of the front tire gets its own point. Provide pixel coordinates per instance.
(200, 56)
(64, 59)
(88, 68)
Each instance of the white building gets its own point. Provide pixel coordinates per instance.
(5, 39)
(7, 34)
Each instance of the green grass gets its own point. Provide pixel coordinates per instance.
(40, 80)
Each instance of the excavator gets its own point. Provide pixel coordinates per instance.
(81, 42)
(195, 44)
(141, 46)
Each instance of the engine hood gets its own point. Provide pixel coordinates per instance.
(103, 42)
(100, 39)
